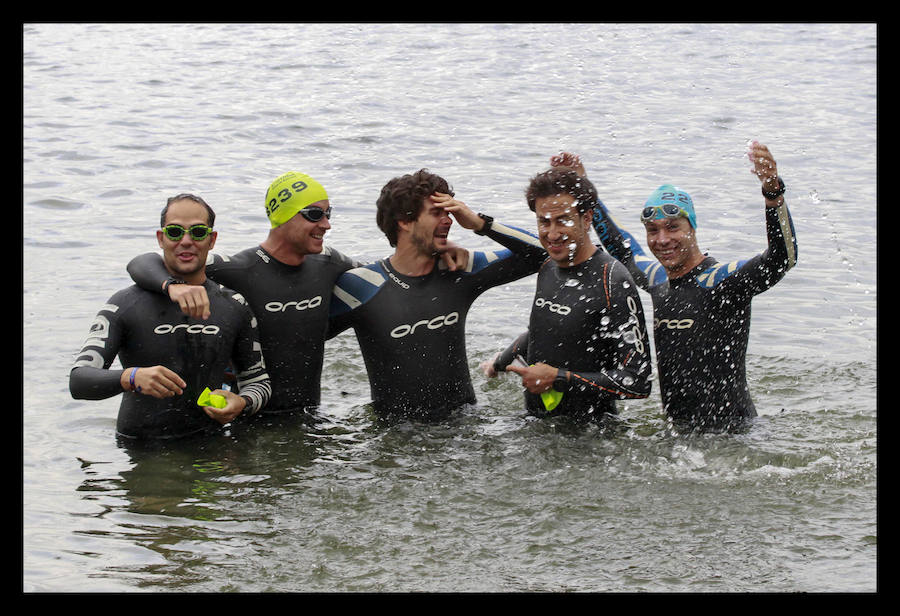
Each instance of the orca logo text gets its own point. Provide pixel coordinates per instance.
(675, 323)
(303, 304)
(197, 328)
(557, 308)
(435, 323)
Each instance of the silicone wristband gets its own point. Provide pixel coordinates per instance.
(131, 381)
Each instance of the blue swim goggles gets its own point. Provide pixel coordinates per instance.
(667, 201)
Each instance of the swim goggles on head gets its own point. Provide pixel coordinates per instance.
(669, 210)
(197, 232)
(314, 214)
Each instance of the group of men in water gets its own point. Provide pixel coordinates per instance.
(264, 314)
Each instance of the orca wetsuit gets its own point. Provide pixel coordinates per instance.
(291, 303)
(702, 320)
(411, 330)
(147, 329)
(588, 320)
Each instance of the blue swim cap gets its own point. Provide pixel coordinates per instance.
(670, 195)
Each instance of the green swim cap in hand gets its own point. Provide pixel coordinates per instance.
(210, 399)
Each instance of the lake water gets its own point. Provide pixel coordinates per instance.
(117, 117)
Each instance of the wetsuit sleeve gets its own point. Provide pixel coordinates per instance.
(519, 346)
(627, 367)
(90, 377)
(344, 262)
(624, 247)
(521, 242)
(523, 255)
(250, 367)
(148, 271)
(352, 289)
(753, 276)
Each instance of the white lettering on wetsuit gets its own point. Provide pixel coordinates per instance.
(398, 281)
(636, 330)
(165, 328)
(303, 304)
(674, 323)
(435, 323)
(540, 302)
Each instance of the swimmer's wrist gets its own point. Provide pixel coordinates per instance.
(170, 281)
(126, 380)
(776, 184)
(562, 380)
(488, 222)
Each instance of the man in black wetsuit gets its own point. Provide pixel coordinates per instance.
(287, 281)
(701, 307)
(586, 344)
(169, 359)
(409, 313)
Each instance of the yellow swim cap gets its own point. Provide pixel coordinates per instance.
(289, 194)
(551, 399)
(207, 398)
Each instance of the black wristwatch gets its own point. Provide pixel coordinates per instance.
(561, 383)
(771, 196)
(488, 221)
(169, 281)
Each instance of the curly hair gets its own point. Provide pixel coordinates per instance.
(403, 198)
(562, 180)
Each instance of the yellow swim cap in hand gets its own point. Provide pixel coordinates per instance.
(551, 399)
(290, 193)
(210, 399)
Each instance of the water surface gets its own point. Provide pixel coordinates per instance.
(117, 117)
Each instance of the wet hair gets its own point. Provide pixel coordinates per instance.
(562, 180)
(403, 198)
(187, 196)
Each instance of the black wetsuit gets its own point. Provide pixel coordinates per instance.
(586, 319)
(702, 320)
(291, 303)
(411, 330)
(147, 329)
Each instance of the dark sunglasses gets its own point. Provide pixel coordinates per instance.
(314, 214)
(197, 232)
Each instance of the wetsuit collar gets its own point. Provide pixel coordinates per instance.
(389, 267)
(705, 264)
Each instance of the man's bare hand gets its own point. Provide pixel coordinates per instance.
(234, 407)
(155, 381)
(572, 161)
(537, 378)
(192, 299)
